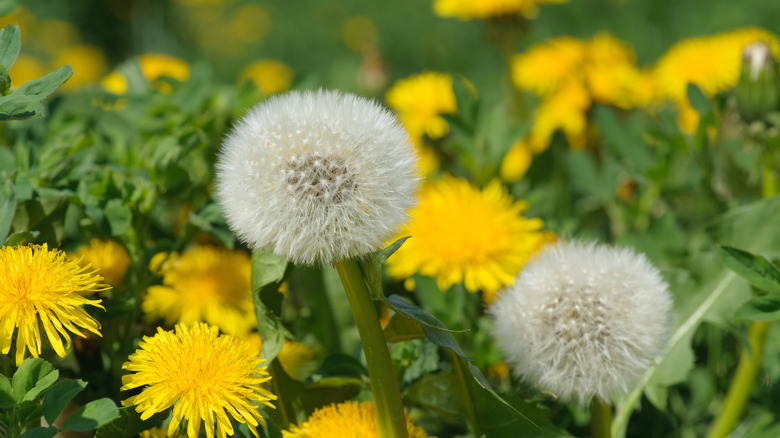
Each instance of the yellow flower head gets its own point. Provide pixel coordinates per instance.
(610, 71)
(462, 234)
(345, 420)
(711, 62)
(546, 66)
(38, 288)
(204, 283)
(566, 110)
(268, 75)
(88, 62)
(468, 9)
(203, 375)
(153, 66)
(108, 257)
(419, 101)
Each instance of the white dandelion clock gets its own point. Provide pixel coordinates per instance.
(317, 176)
(584, 320)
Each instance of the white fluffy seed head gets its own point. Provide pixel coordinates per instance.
(584, 320)
(317, 176)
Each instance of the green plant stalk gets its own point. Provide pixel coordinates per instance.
(391, 418)
(768, 177)
(600, 418)
(744, 378)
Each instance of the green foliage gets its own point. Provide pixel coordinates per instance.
(34, 391)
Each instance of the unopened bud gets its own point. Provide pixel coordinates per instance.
(758, 90)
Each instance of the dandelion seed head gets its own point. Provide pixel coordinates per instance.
(317, 176)
(584, 320)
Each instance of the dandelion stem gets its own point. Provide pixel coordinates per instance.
(600, 418)
(744, 377)
(384, 385)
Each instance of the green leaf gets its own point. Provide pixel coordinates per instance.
(17, 106)
(7, 208)
(420, 315)
(760, 308)
(268, 273)
(755, 269)
(29, 413)
(8, 6)
(129, 424)
(119, 217)
(372, 269)
(21, 238)
(40, 432)
(92, 415)
(10, 44)
(42, 87)
(7, 399)
(699, 101)
(402, 328)
(58, 397)
(33, 377)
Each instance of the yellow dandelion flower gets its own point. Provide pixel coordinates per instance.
(108, 257)
(250, 23)
(359, 33)
(88, 62)
(462, 234)
(468, 9)
(268, 75)
(546, 66)
(156, 432)
(419, 101)
(710, 62)
(153, 66)
(297, 359)
(516, 161)
(206, 377)
(39, 287)
(610, 71)
(349, 419)
(565, 110)
(204, 283)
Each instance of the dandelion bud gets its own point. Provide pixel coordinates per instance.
(583, 320)
(758, 90)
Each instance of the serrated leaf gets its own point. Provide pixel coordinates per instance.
(128, 424)
(17, 106)
(92, 415)
(42, 87)
(420, 315)
(760, 308)
(372, 269)
(40, 432)
(33, 377)
(755, 269)
(58, 397)
(10, 44)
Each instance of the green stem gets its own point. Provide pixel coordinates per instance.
(600, 418)
(390, 414)
(744, 378)
(465, 395)
(768, 178)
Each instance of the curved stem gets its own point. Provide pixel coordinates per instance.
(744, 378)
(600, 418)
(390, 414)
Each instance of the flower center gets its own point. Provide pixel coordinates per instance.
(579, 319)
(322, 179)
